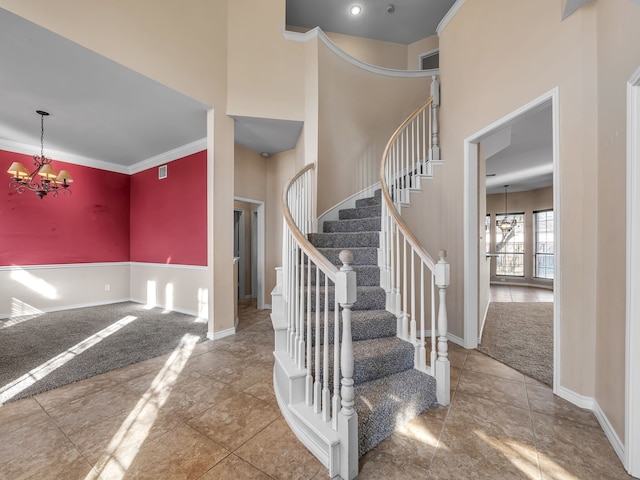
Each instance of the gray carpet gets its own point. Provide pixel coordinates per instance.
(520, 335)
(44, 342)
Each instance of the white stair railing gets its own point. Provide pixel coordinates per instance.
(308, 281)
(408, 273)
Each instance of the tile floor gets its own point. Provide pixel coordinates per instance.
(513, 293)
(208, 412)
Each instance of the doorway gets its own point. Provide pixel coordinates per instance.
(251, 267)
(474, 235)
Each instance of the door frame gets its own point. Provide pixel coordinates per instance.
(471, 240)
(241, 251)
(632, 332)
(261, 247)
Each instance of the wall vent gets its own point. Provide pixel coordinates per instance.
(162, 172)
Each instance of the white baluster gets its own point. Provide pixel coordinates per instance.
(309, 362)
(422, 352)
(442, 364)
(435, 93)
(336, 363)
(326, 394)
(317, 389)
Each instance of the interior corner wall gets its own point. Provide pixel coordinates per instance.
(618, 58)
(495, 57)
(169, 215)
(415, 49)
(358, 112)
(374, 52)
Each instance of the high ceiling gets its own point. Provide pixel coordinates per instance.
(397, 21)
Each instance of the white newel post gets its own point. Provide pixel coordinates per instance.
(435, 94)
(442, 364)
(348, 418)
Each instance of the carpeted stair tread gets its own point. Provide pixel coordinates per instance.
(380, 357)
(366, 275)
(368, 298)
(345, 239)
(361, 255)
(369, 201)
(385, 404)
(371, 224)
(365, 325)
(360, 212)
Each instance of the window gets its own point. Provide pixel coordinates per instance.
(510, 246)
(543, 222)
(430, 60)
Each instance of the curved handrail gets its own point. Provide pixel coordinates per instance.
(408, 234)
(320, 260)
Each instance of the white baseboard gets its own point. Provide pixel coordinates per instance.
(575, 398)
(186, 311)
(457, 340)
(224, 333)
(267, 306)
(76, 305)
(611, 434)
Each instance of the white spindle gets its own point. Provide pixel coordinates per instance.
(317, 389)
(336, 363)
(326, 394)
(309, 362)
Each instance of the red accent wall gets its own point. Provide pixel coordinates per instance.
(169, 217)
(91, 225)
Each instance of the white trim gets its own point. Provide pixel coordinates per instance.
(632, 334)
(575, 398)
(389, 72)
(457, 340)
(471, 223)
(224, 333)
(60, 156)
(260, 305)
(609, 431)
(168, 265)
(545, 286)
(484, 320)
(447, 18)
(63, 265)
(169, 156)
(186, 311)
(266, 306)
(424, 55)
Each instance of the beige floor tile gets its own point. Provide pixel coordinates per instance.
(554, 470)
(277, 452)
(74, 391)
(78, 414)
(376, 465)
(210, 362)
(542, 400)
(234, 468)
(568, 442)
(478, 362)
(18, 409)
(234, 421)
(182, 453)
(242, 375)
(494, 388)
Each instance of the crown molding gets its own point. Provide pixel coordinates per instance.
(60, 156)
(166, 157)
(389, 72)
(450, 14)
(169, 156)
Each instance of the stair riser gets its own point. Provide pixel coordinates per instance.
(374, 299)
(366, 276)
(360, 330)
(368, 202)
(359, 212)
(361, 256)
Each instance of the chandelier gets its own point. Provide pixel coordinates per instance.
(506, 224)
(43, 179)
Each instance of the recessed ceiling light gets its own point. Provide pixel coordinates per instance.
(355, 9)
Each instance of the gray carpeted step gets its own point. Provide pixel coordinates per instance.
(361, 255)
(345, 239)
(366, 275)
(368, 298)
(385, 404)
(355, 225)
(369, 201)
(360, 212)
(376, 358)
(365, 325)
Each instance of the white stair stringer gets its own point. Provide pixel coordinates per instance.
(317, 435)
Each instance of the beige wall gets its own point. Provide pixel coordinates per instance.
(490, 68)
(618, 50)
(266, 72)
(414, 50)
(358, 112)
(250, 174)
(374, 52)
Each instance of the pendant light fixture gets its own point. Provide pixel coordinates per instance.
(43, 179)
(506, 224)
